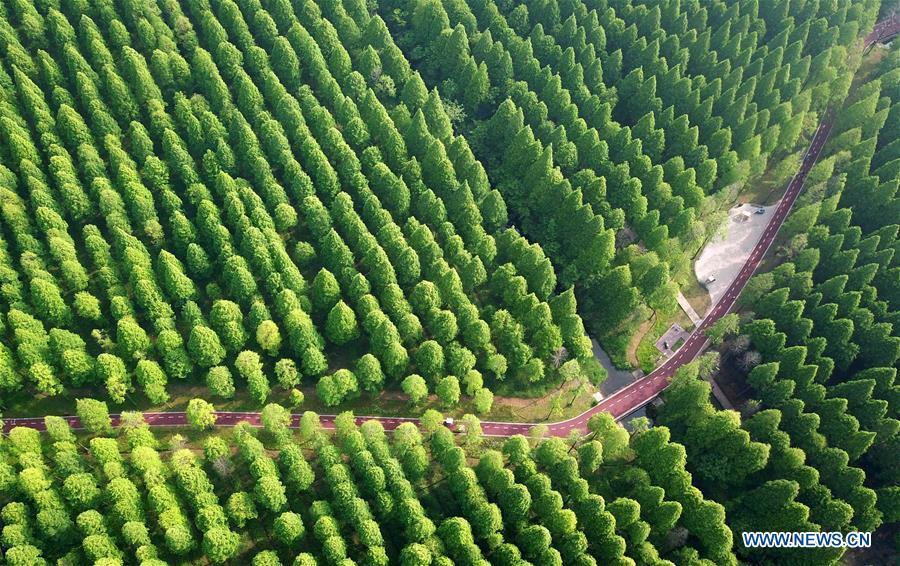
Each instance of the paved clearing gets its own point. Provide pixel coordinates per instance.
(724, 257)
(672, 339)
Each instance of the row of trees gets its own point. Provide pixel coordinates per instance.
(823, 334)
(601, 90)
(848, 323)
(197, 172)
(285, 496)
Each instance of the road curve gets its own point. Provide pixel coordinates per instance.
(622, 402)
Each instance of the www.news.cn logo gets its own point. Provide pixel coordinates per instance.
(806, 540)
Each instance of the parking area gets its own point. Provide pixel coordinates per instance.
(672, 339)
(723, 257)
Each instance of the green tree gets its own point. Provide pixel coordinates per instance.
(431, 420)
(448, 391)
(220, 544)
(132, 339)
(800, 221)
(268, 336)
(250, 367)
(200, 414)
(270, 493)
(111, 369)
(415, 386)
(611, 435)
(219, 382)
(471, 425)
(226, 319)
(241, 508)
(483, 401)
(726, 326)
(286, 373)
(87, 306)
(325, 291)
(48, 302)
(296, 398)
(429, 360)
(335, 388)
(204, 346)
(175, 358)
(368, 371)
(276, 420)
(81, 491)
(288, 528)
(757, 287)
(94, 416)
(708, 364)
(266, 558)
(340, 325)
(152, 378)
(473, 382)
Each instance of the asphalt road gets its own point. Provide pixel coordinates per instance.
(627, 399)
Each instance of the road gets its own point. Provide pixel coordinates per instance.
(627, 399)
(888, 27)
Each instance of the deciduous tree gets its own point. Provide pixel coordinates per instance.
(340, 325)
(205, 347)
(415, 386)
(448, 391)
(94, 416)
(200, 414)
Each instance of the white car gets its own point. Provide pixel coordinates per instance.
(448, 422)
(711, 279)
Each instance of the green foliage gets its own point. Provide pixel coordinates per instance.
(94, 416)
(286, 373)
(448, 391)
(340, 325)
(368, 371)
(200, 414)
(132, 339)
(335, 388)
(483, 401)
(268, 336)
(220, 382)
(250, 368)
(429, 360)
(722, 328)
(325, 291)
(204, 346)
(415, 386)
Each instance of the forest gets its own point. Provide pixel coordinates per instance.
(292, 204)
(181, 207)
(631, 122)
(253, 195)
(357, 496)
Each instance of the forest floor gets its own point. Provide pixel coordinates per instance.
(697, 296)
(732, 381)
(637, 338)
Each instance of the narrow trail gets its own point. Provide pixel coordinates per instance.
(627, 399)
